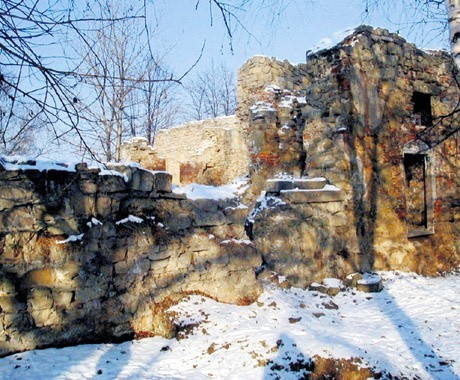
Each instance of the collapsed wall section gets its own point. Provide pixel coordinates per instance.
(210, 152)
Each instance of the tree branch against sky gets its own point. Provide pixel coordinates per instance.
(38, 73)
(212, 92)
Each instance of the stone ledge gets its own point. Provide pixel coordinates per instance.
(277, 185)
(312, 196)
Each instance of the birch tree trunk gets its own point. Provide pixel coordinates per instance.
(453, 13)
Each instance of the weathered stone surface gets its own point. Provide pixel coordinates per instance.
(215, 152)
(111, 184)
(106, 254)
(311, 196)
(369, 283)
(162, 182)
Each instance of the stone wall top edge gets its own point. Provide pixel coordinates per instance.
(378, 35)
(216, 123)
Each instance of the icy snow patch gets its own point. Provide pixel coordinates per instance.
(130, 218)
(325, 188)
(288, 101)
(262, 106)
(330, 42)
(71, 238)
(29, 163)
(237, 241)
(370, 279)
(333, 283)
(195, 191)
(94, 222)
(114, 173)
(264, 202)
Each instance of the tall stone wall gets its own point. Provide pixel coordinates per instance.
(87, 257)
(360, 139)
(361, 131)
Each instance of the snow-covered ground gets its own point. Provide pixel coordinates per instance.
(411, 329)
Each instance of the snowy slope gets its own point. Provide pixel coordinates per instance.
(411, 328)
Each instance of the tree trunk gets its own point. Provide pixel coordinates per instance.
(453, 12)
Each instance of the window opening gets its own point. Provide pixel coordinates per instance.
(422, 109)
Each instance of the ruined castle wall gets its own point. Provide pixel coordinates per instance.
(360, 143)
(86, 257)
(209, 152)
(360, 129)
(138, 150)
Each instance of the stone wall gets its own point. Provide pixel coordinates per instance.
(361, 130)
(87, 257)
(209, 152)
(138, 150)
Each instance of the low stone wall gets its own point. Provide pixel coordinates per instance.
(88, 257)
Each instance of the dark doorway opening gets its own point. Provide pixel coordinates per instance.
(418, 195)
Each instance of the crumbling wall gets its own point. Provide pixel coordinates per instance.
(138, 150)
(210, 152)
(86, 257)
(365, 123)
(271, 101)
(354, 106)
(348, 115)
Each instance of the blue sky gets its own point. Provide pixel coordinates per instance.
(182, 30)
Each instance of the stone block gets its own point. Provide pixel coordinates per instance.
(45, 277)
(173, 196)
(209, 219)
(21, 219)
(9, 305)
(7, 287)
(311, 196)
(178, 221)
(61, 225)
(88, 187)
(163, 182)
(90, 293)
(11, 195)
(142, 180)
(121, 267)
(62, 299)
(46, 317)
(83, 205)
(106, 206)
(370, 283)
(111, 184)
(40, 299)
(237, 215)
(278, 185)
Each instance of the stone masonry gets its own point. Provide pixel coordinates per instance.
(211, 152)
(87, 257)
(376, 117)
